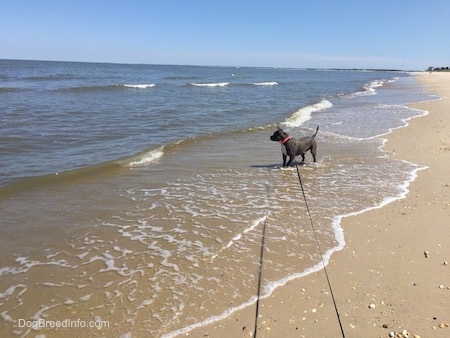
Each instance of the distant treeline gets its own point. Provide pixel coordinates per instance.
(438, 69)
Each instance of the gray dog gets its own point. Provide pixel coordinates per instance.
(294, 147)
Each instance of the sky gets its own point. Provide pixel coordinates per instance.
(389, 34)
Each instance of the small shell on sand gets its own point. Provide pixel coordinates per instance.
(426, 254)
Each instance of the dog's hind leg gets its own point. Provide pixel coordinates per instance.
(303, 158)
(313, 152)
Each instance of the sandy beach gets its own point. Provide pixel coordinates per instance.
(393, 276)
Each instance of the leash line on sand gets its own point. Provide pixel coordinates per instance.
(261, 260)
(320, 251)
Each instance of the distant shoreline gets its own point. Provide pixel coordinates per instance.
(230, 66)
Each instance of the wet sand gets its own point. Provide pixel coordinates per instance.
(393, 276)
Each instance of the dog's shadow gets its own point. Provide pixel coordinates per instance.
(273, 166)
(266, 166)
(276, 166)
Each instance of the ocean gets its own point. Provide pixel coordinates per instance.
(136, 195)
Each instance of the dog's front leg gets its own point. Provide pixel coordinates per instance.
(284, 160)
(291, 158)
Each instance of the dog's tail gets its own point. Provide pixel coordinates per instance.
(316, 132)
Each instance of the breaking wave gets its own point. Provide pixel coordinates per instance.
(304, 114)
(266, 83)
(213, 84)
(146, 158)
(140, 86)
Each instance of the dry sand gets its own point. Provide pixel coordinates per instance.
(393, 275)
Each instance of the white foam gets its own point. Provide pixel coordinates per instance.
(255, 224)
(218, 84)
(44, 308)
(140, 86)
(369, 89)
(145, 303)
(304, 114)
(209, 320)
(405, 121)
(235, 238)
(8, 270)
(239, 236)
(28, 264)
(147, 158)
(6, 317)
(55, 284)
(266, 83)
(108, 284)
(11, 290)
(403, 192)
(270, 287)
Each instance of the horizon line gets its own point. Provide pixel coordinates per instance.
(223, 66)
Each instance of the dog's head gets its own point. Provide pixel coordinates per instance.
(279, 135)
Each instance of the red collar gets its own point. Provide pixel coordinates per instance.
(287, 138)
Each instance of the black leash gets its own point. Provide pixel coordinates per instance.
(261, 260)
(320, 250)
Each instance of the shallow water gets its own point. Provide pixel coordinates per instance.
(160, 231)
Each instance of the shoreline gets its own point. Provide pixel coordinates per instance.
(392, 276)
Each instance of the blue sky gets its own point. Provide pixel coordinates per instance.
(400, 34)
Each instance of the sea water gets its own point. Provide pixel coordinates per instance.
(137, 194)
